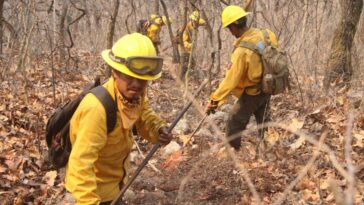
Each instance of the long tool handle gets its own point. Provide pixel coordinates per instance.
(156, 146)
(196, 129)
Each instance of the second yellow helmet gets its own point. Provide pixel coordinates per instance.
(232, 13)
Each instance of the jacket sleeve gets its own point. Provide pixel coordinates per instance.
(149, 123)
(90, 139)
(273, 38)
(235, 72)
(186, 41)
(153, 33)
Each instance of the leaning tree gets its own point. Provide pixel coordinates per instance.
(339, 63)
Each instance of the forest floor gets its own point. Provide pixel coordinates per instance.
(293, 168)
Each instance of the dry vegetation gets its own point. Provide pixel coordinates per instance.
(314, 149)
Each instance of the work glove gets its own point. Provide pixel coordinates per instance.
(211, 107)
(164, 136)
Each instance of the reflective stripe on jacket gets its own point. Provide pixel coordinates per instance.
(98, 162)
(245, 68)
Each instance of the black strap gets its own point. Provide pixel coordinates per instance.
(109, 104)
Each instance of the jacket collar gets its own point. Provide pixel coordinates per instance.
(244, 35)
(129, 112)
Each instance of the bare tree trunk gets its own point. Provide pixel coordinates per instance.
(132, 11)
(176, 56)
(248, 5)
(1, 25)
(110, 33)
(361, 33)
(88, 25)
(339, 63)
(62, 31)
(156, 7)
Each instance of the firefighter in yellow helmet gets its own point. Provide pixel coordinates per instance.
(194, 22)
(154, 28)
(243, 75)
(99, 161)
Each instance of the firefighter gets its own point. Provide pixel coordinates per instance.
(195, 21)
(154, 27)
(98, 163)
(243, 77)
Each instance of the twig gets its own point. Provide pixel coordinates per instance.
(224, 2)
(217, 130)
(129, 14)
(143, 156)
(303, 172)
(196, 129)
(69, 32)
(350, 192)
(298, 82)
(176, 56)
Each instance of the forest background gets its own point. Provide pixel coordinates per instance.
(49, 50)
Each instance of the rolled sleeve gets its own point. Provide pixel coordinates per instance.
(233, 76)
(149, 123)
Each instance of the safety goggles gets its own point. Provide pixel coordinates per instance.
(141, 65)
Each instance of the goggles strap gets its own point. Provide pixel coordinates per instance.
(116, 59)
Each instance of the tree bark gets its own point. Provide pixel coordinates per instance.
(62, 31)
(1, 25)
(156, 7)
(110, 33)
(339, 63)
(88, 24)
(176, 56)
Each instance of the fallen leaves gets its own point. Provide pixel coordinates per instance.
(172, 162)
(50, 177)
(272, 137)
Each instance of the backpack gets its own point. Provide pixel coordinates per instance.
(142, 26)
(275, 66)
(58, 125)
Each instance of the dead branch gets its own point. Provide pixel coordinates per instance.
(303, 172)
(50, 7)
(129, 15)
(176, 56)
(1, 25)
(83, 13)
(350, 192)
(224, 2)
(248, 6)
(110, 33)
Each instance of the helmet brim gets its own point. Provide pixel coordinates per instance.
(244, 15)
(125, 70)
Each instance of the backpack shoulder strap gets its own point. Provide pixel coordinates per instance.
(109, 104)
(250, 46)
(266, 36)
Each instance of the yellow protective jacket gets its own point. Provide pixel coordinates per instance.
(99, 161)
(187, 35)
(153, 32)
(245, 68)
(187, 38)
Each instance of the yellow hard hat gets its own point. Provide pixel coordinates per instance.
(156, 18)
(135, 56)
(232, 13)
(164, 18)
(194, 16)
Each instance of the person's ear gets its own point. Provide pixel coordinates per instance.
(114, 74)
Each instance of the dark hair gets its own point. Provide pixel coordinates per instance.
(241, 23)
